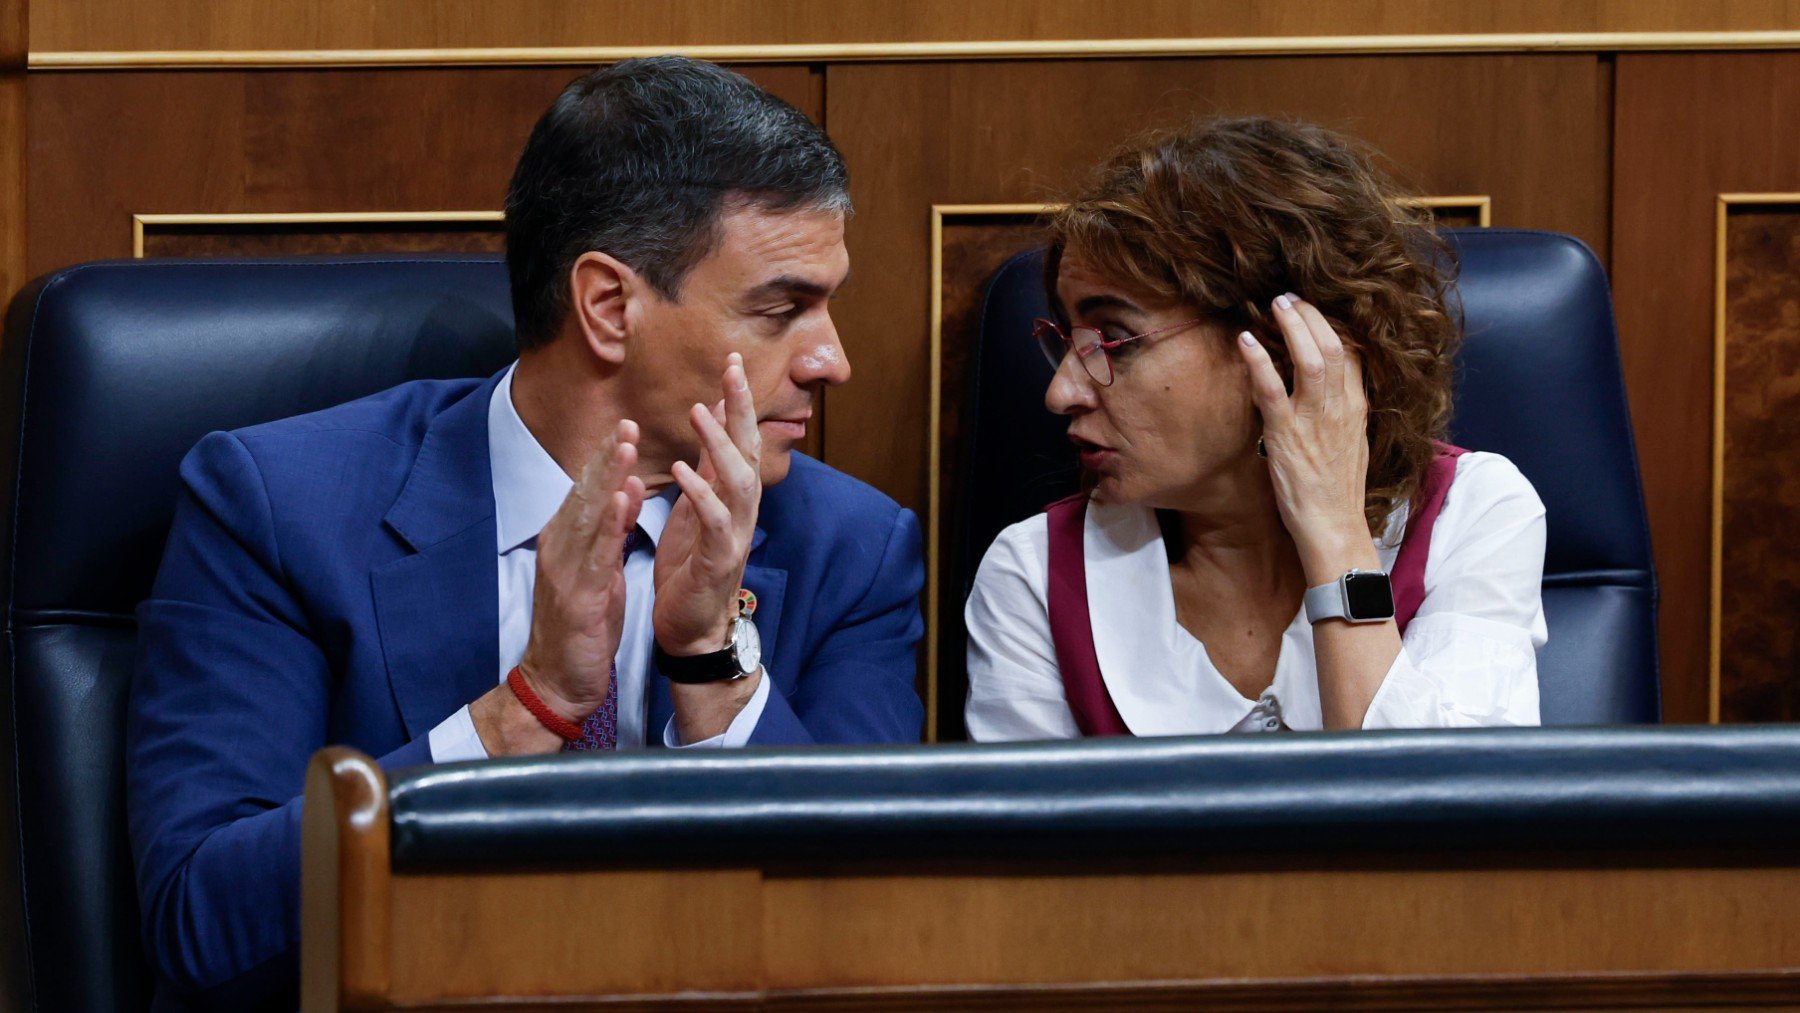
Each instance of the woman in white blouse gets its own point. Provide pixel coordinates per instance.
(1255, 358)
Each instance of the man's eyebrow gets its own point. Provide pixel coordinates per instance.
(788, 285)
(1097, 302)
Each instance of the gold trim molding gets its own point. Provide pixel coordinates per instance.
(140, 222)
(1033, 49)
(1716, 610)
(1481, 204)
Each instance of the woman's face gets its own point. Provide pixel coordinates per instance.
(1177, 418)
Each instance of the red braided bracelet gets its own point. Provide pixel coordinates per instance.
(565, 730)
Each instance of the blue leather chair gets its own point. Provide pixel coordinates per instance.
(114, 370)
(1538, 381)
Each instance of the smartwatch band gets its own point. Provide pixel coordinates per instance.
(1335, 600)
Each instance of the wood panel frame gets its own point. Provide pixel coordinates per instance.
(1019, 49)
(1482, 204)
(106, 145)
(1716, 589)
(872, 29)
(1686, 129)
(142, 222)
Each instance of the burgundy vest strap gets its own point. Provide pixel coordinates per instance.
(1071, 624)
(1071, 628)
(1408, 574)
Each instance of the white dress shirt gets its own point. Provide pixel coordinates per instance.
(1468, 657)
(529, 486)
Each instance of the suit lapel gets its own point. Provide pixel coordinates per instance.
(438, 609)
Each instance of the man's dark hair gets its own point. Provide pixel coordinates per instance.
(640, 160)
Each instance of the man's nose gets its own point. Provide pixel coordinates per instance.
(1071, 390)
(822, 359)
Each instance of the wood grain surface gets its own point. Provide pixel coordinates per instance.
(1759, 670)
(350, 24)
(278, 239)
(13, 141)
(1597, 930)
(1688, 128)
(106, 146)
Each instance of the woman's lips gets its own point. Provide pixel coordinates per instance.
(1093, 455)
(1095, 458)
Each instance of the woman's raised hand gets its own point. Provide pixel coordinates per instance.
(1316, 439)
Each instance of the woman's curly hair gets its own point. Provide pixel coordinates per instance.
(1226, 214)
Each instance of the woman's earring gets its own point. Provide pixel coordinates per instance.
(1261, 451)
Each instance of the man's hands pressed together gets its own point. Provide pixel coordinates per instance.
(700, 560)
(578, 605)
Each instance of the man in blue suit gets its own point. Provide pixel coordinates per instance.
(608, 545)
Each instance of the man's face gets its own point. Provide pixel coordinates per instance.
(764, 293)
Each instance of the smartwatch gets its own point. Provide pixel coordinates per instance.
(741, 657)
(1360, 596)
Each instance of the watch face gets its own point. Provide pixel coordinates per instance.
(1368, 596)
(746, 645)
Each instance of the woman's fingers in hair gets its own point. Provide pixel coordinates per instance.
(1354, 392)
(1266, 388)
(1310, 378)
(1331, 346)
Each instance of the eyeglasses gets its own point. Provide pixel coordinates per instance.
(1089, 345)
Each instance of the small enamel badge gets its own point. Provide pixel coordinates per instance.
(746, 602)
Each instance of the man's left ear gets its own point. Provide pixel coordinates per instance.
(601, 291)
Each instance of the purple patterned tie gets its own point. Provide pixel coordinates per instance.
(601, 729)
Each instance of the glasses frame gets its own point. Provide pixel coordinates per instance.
(1098, 346)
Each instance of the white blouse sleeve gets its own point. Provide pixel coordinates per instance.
(1015, 687)
(1469, 658)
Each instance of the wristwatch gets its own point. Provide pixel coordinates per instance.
(1360, 596)
(741, 657)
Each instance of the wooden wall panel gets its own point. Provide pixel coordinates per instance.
(1758, 395)
(73, 25)
(108, 145)
(1268, 920)
(282, 239)
(644, 935)
(15, 973)
(12, 147)
(1688, 128)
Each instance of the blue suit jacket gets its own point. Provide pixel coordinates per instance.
(331, 578)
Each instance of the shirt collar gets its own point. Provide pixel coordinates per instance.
(529, 486)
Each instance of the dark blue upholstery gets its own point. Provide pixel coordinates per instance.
(114, 370)
(1538, 381)
(1394, 792)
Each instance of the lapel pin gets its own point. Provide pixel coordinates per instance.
(746, 602)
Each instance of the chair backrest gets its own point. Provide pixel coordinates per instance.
(114, 370)
(1538, 380)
